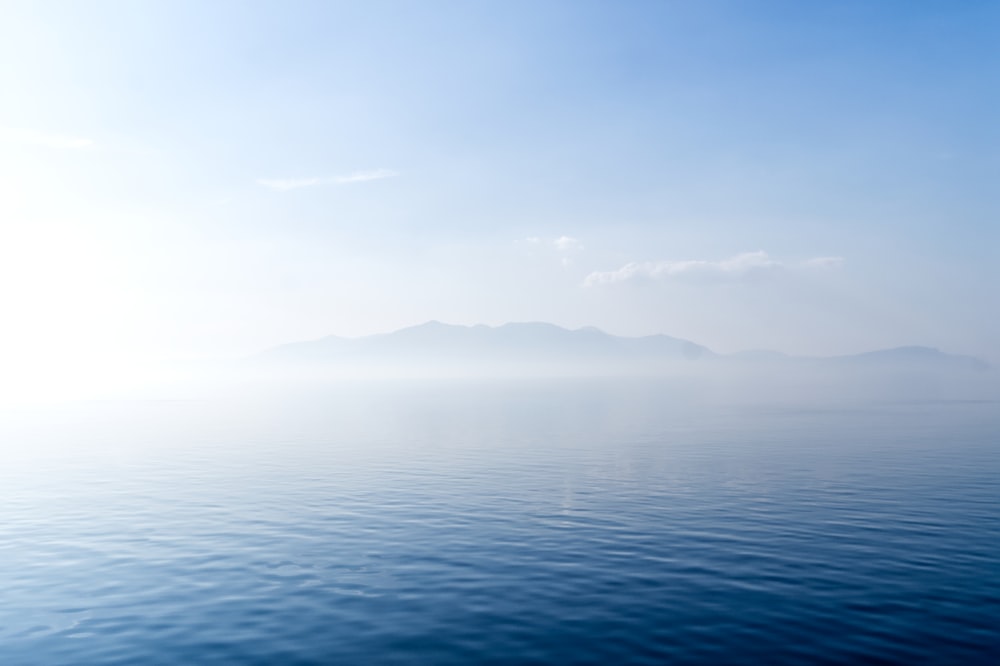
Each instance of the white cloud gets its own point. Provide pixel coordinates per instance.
(36, 138)
(567, 244)
(362, 176)
(561, 244)
(286, 184)
(740, 267)
(562, 247)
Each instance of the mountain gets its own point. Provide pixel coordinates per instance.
(539, 348)
(910, 356)
(535, 343)
(897, 357)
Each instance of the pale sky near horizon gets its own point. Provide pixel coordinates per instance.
(197, 179)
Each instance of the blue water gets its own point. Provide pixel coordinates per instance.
(536, 523)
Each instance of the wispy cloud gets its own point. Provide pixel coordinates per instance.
(286, 184)
(822, 262)
(741, 267)
(562, 244)
(36, 138)
(567, 244)
(364, 176)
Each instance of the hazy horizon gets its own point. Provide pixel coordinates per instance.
(429, 322)
(189, 180)
(499, 332)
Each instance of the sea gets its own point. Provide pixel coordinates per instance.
(507, 522)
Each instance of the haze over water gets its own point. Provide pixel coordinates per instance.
(504, 331)
(551, 521)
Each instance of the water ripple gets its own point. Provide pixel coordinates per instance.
(318, 531)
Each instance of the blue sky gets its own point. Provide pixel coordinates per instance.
(198, 179)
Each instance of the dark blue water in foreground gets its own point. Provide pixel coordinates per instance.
(453, 524)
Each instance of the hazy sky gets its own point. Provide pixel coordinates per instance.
(211, 178)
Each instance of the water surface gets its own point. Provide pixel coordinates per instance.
(452, 523)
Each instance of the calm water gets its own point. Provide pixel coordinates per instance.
(455, 524)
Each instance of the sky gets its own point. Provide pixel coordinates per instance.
(188, 179)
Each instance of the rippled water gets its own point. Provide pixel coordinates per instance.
(536, 523)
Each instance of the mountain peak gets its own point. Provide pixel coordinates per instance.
(433, 323)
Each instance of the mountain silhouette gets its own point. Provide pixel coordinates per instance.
(539, 346)
(435, 342)
(923, 356)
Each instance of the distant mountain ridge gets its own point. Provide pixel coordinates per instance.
(539, 343)
(525, 341)
(910, 355)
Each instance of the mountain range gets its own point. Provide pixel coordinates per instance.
(543, 346)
